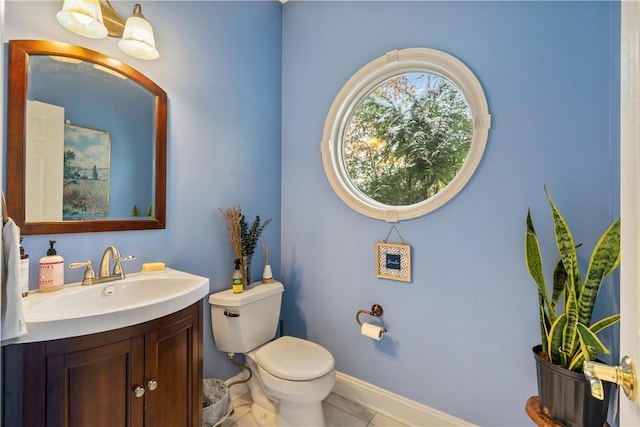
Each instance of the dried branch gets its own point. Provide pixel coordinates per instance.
(234, 218)
(265, 250)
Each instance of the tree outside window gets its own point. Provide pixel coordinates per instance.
(407, 139)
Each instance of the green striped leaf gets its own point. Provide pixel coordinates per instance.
(605, 258)
(560, 284)
(555, 341)
(565, 244)
(590, 348)
(533, 260)
(544, 328)
(602, 324)
(579, 358)
(569, 337)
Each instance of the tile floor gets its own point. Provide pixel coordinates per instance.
(338, 412)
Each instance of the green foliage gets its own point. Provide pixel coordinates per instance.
(568, 337)
(408, 139)
(250, 235)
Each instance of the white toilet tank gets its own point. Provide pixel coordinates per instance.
(244, 321)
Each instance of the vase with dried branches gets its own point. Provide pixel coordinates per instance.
(244, 239)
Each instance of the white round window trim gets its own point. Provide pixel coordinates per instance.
(366, 79)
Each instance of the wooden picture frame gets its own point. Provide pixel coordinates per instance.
(393, 261)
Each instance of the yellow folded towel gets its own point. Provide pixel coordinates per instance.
(152, 266)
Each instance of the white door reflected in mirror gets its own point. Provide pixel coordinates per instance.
(43, 159)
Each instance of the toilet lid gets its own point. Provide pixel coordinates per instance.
(294, 359)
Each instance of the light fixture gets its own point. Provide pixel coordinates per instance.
(98, 18)
(83, 17)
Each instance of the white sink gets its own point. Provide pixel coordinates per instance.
(79, 310)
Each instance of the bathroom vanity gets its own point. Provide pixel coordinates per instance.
(148, 374)
(122, 353)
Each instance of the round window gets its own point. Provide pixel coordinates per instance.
(405, 134)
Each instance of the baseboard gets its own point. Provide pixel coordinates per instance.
(400, 408)
(370, 396)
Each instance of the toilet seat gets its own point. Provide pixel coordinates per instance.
(294, 359)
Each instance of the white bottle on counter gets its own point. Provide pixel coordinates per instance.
(51, 277)
(24, 271)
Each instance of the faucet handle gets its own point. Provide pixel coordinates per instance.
(89, 274)
(117, 266)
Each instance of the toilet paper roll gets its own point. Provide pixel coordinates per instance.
(372, 331)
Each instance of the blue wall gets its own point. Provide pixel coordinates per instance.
(460, 335)
(250, 84)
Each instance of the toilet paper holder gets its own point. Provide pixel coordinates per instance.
(376, 311)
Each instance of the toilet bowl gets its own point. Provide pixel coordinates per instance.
(291, 376)
(298, 375)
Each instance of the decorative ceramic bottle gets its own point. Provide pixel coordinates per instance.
(51, 272)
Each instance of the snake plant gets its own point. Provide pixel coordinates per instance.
(568, 336)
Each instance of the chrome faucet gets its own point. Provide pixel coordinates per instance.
(89, 274)
(117, 273)
(111, 253)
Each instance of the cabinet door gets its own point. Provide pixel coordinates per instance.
(171, 375)
(91, 380)
(95, 387)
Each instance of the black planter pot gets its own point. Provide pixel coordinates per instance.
(566, 396)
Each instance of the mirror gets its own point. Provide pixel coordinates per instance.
(86, 142)
(405, 134)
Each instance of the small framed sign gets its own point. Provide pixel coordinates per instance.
(393, 261)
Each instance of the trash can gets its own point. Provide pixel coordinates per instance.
(216, 403)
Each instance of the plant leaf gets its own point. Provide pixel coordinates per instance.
(565, 244)
(545, 328)
(533, 257)
(579, 358)
(555, 340)
(590, 348)
(602, 324)
(533, 260)
(605, 258)
(560, 284)
(569, 335)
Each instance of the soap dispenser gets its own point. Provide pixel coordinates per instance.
(51, 271)
(24, 271)
(237, 278)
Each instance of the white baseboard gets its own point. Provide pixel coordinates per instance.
(400, 408)
(370, 396)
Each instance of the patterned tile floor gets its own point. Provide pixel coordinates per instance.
(338, 412)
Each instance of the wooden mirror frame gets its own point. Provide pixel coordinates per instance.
(19, 51)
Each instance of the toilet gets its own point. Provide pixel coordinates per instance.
(291, 376)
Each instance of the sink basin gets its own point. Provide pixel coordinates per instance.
(79, 310)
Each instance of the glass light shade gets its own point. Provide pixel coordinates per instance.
(83, 17)
(137, 38)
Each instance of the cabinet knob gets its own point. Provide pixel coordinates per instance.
(139, 391)
(152, 385)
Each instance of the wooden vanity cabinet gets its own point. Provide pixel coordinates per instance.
(143, 375)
